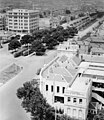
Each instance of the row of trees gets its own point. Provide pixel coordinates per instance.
(34, 103)
(51, 38)
(43, 39)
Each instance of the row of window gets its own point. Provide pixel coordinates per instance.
(58, 89)
(74, 113)
(18, 13)
(15, 27)
(18, 20)
(74, 100)
(18, 17)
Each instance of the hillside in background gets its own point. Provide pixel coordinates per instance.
(52, 3)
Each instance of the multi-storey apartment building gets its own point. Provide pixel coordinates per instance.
(22, 20)
(2, 21)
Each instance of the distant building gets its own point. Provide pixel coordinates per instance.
(2, 21)
(78, 23)
(22, 20)
(44, 23)
(68, 47)
(54, 22)
(57, 12)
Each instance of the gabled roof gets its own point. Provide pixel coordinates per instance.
(68, 79)
(60, 71)
(76, 60)
(63, 58)
(72, 71)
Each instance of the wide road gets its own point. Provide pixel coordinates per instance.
(10, 105)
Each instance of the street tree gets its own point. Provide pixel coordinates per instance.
(60, 38)
(34, 102)
(35, 44)
(26, 39)
(13, 45)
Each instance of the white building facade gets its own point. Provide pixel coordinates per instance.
(64, 89)
(22, 20)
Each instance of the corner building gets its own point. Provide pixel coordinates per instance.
(64, 88)
(22, 20)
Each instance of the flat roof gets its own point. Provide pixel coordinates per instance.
(91, 68)
(94, 58)
(80, 86)
(22, 10)
(97, 50)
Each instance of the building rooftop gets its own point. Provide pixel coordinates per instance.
(93, 58)
(80, 86)
(71, 22)
(22, 10)
(89, 68)
(97, 40)
(63, 66)
(97, 50)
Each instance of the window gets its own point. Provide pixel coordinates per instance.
(25, 27)
(25, 24)
(52, 88)
(15, 23)
(15, 27)
(25, 20)
(15, 17)
(74, 100)
(25, 17)
(10, 26)
(57, 89)
(63, 89)
(59, 99)
(69, 99)
(15, 13)
(15, 20)
(10, 16)
(80, 114)
(10, 19)
(74, 113)
(25, 13)
(68, 111)
(80, 101)
(46, 87)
